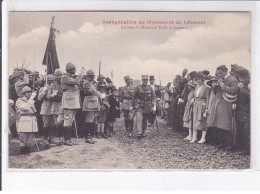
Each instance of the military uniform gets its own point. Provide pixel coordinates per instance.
(70, 100)
(90, 106)
(126, 95)
(143, 100)
(26, 122)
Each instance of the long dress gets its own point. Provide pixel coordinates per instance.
(187, 121)
(201, 94)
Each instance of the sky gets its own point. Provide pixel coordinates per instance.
(164, 53)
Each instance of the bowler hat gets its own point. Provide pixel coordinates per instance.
(200, 75)
(210, 81)
(205, 72)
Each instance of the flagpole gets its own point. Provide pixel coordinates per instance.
(46, 66)
(33, 71)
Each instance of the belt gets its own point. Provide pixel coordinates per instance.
(28, 114)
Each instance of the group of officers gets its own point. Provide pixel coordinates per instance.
(218, 106)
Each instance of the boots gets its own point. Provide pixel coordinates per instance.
(50, 137)
(67, 136)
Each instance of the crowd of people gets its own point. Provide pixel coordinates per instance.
(213, 109)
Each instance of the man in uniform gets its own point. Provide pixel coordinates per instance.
(27, 122)
(70, 99)
(46, 94)
(90, 104)
(23, 80)
(145, 102)
(56, 110)
(126, 95)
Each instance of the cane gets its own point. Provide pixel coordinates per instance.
(76, 129)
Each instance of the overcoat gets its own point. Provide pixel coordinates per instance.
(27, 121)
(221, 112)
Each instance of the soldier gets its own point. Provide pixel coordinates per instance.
(70, 99)
(56, 110)
(126, 95)
(23, 80)
(145, 102)
(90, 104)
(46, 94)
(27, 122)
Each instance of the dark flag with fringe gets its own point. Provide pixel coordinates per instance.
(50, 57)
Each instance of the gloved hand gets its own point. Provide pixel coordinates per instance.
(45, 88)
(154, 109)
(103, 96)
(131, 108)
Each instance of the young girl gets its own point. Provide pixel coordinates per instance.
(187, 117)
(114, 111)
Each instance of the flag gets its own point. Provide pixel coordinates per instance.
(50, 57)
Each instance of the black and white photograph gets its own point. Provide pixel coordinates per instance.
(129, 90)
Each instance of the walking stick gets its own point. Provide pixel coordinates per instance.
(76, 129)
(234, 129)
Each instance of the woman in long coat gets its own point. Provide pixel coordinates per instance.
(187, 117)
(201, 95)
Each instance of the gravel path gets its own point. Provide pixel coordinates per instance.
(169, 150)
(166, 150)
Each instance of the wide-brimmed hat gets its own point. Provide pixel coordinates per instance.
(243, 73)
(200, 75)
(151, 77)
(210, 81)
(26, 89)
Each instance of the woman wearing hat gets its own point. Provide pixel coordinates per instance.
(201, 95)
(187, 117)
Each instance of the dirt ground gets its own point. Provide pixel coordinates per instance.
(163, 150)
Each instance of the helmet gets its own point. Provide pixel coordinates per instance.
(50, 77)
(90, 72)
(58, 73)
(70, 66)
(100, 77)
(26, 89)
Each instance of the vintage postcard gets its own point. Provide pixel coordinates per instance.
(129, 90)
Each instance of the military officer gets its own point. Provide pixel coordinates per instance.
(126, 95)
(27, 122)
(144, 101)
(46, 94)
(90, 104)
(70, 99)
(56, 110)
